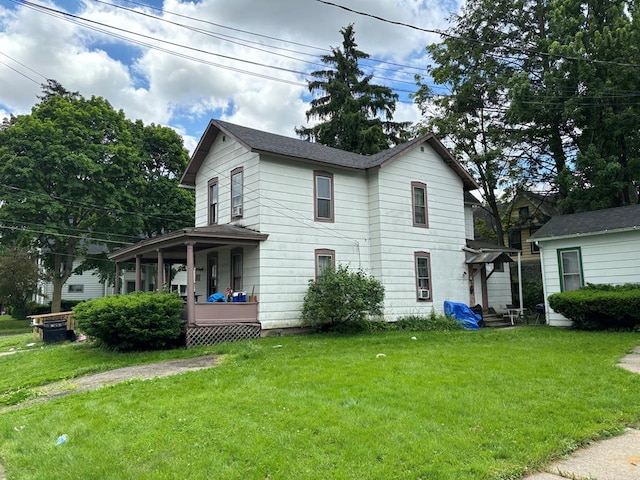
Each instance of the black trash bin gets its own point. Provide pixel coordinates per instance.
(53, 332)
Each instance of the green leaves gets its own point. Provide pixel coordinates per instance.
(341, 296)
(76, 172)
(354, 115)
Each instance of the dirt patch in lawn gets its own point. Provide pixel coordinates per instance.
(111, 377)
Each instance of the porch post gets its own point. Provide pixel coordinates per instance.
(191, 298)
(160, 286)
(520, 282)
(116, 280)
(138, 273)
(485, 288)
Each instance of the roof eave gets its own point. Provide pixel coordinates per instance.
(583, 234)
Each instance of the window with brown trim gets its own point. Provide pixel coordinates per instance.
(324, 259)
(237, 193)
(323, 196)
(236, 269)
(423, 276)
(212, 188)
(419, 204)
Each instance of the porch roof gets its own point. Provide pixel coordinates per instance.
(173, 244)
(488, 257)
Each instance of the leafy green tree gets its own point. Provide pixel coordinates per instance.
(542, 93)
(19, 277)
(349, 106)
(75, 173)
(341, 296)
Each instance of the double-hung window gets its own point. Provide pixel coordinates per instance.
(570, 265)
(323, 196)
(213, 201)
(324, 259)
(419, 204)
(423, 276)
(236, 193)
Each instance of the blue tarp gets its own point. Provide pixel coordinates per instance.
(463, 314)
(216, 297)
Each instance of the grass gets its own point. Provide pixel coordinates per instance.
(11, 326)
(448, 405)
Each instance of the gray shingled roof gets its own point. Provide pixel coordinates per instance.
(597, 221)
(279, 145)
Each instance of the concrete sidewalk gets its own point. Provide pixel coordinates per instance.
(616, 458)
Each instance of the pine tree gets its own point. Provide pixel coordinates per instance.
(349, 106)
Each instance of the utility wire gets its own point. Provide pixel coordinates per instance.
(521, 50)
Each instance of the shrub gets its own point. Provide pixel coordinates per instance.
(598, 307)
(410, 323)
(340, 296)
(137, 321)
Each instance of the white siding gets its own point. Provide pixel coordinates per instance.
(399, 239)
(372, 229)
(91, 287)
(287, 258)
(468, 222)
(612, 258)
(223, 157)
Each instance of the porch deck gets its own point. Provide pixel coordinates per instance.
(223, 322)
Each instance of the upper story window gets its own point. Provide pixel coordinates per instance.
(323, 195)
(419, 204)
(324, 259)
(523, 213)
(570, 266)
(236, 193)
(423, 276)
(213, 201)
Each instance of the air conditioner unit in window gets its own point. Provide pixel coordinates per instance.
(423, 293)
(237, 211)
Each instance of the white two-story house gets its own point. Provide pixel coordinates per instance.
(273, 211)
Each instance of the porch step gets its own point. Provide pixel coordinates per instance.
(495, 321)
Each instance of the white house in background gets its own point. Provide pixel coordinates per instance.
(87, 285)
(273, 211)
(599, 247)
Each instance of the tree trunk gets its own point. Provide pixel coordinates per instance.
(56, 300)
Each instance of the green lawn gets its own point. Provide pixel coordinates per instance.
(490, 404)
(11, 326)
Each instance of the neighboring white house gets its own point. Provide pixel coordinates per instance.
(87, 285)
(273, 211)
(599, 247)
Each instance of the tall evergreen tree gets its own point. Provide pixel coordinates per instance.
(349, 106)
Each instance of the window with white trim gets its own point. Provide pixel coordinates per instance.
(570, 265)
(419, 204)
(423, 276)
(75, 289)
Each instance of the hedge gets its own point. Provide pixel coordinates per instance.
(599, 307)
(137, 321)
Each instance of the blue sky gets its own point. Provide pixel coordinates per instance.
(181, 63)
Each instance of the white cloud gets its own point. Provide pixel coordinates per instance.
(158, 87)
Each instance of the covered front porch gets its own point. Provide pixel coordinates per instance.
(200, 250)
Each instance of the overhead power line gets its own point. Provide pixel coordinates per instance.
(521, 50)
